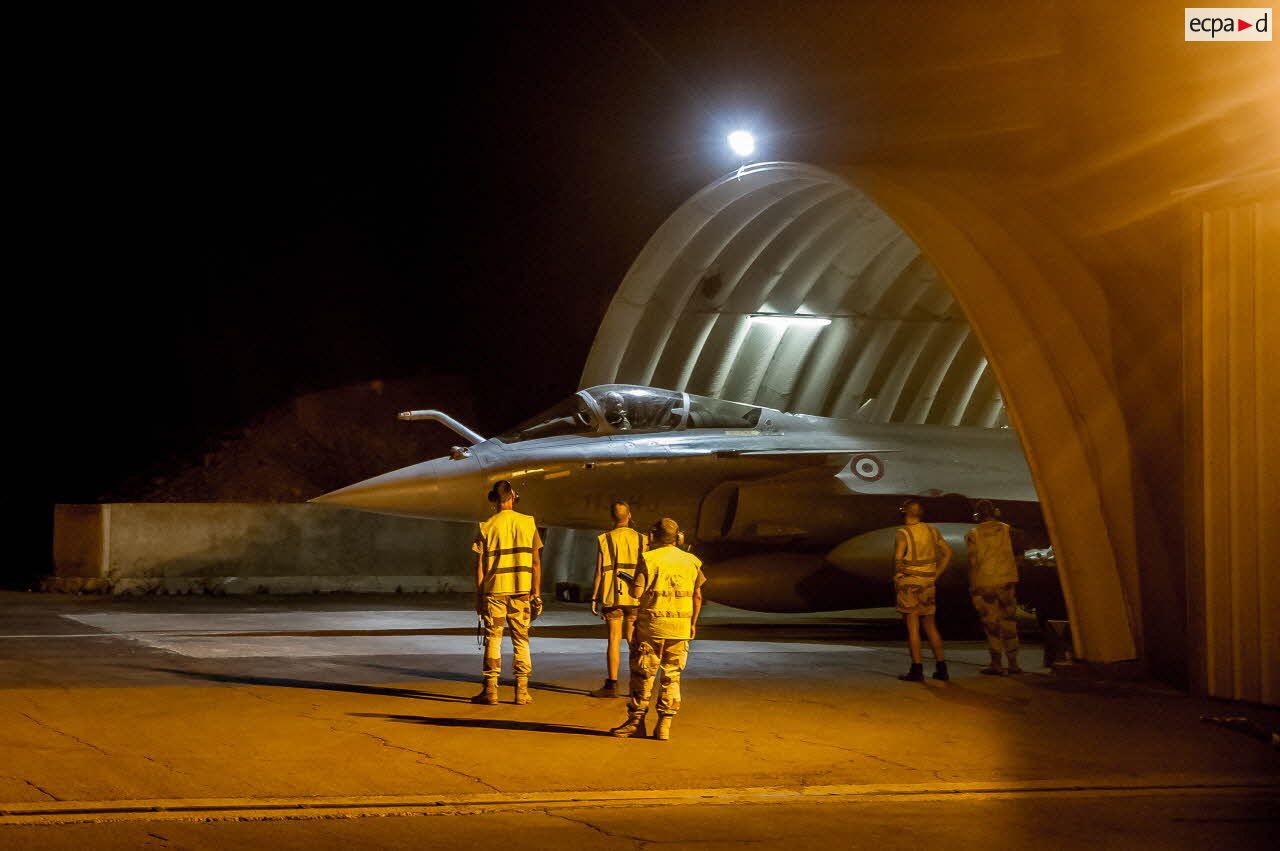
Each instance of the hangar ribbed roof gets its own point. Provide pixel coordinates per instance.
(728, 298)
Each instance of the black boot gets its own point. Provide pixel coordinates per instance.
(940, 671)
(915, 675)
(609, 689)
(488, 695)
(632, 728)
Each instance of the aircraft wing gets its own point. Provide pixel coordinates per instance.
(801, 454)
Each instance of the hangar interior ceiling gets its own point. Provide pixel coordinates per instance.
(783, 285)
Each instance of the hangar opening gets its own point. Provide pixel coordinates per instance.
(782, 285)
(786, 285)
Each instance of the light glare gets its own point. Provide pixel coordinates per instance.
(742, 142)
(791, 321)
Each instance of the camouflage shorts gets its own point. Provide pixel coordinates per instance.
(916, 599)
(622, 613)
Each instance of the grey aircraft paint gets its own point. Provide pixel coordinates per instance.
(789, 512)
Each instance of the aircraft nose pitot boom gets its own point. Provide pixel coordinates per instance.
(443, 489)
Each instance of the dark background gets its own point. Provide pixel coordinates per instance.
(224, 214)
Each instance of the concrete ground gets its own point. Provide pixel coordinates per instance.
(292, 722)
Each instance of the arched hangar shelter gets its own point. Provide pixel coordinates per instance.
(784, 285)
(854, 293)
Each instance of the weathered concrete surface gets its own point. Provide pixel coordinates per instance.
(1192, 820)
(109, 700)
(247, 548)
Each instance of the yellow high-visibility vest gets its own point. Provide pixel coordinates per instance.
(506, 542)
(671, 576)
(620, 551)
(920, 564)
(992, 549)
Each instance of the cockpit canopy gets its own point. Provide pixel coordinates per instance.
(629, 408)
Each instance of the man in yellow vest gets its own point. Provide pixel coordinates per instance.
(920, 556)
(618, 553)
(993, 573)
(668, 584)
(508, 577)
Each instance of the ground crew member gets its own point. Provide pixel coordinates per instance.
(668, 584)
(508, 577)
(920, 556)
(618, 553)
(993, 574)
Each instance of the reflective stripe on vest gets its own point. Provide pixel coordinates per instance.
(506, 546)
(615, 585)
(667, 607)
(922, 552)
(993, 550)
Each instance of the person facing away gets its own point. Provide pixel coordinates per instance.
(617, 555)
(668, 584)
(993, 576)
(508, 577)
(920, 556)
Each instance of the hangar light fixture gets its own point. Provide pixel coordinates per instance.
(789, 321)
(742, 142)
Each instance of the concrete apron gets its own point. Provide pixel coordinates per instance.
(301, 749)
(236, 712)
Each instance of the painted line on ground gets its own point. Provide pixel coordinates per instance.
(220, 644)
(219, 809)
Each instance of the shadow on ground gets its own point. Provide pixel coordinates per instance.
(487, 724)
(470, 678)
(315, 685)
(356, 688)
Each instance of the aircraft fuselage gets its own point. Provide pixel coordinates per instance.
(775, 499)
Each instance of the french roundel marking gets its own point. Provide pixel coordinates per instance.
(869, 468)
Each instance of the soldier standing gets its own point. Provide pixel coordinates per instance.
(993, 574)
(668, 584)
(508, 577)
(920, 556)
(617, 556)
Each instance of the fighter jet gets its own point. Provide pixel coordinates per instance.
(789, 512)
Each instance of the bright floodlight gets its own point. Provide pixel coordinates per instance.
(790, 321)
(742, 142)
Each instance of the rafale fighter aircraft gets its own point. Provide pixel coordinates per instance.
(791, 513)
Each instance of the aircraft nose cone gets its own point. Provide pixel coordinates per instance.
(406, 491)
(442, 489)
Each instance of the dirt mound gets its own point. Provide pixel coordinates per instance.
(318, 442)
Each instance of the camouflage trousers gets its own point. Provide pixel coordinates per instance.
(649, 658)
(998, 610)
(510, 612)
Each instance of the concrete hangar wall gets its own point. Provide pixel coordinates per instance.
(1102, 205)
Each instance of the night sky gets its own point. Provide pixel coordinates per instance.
(245, 210)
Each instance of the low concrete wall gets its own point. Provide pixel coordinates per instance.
(246, 548)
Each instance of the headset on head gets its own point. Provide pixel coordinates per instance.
(656, 533)
(496, 499)
(902, 509)
(980, 504)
